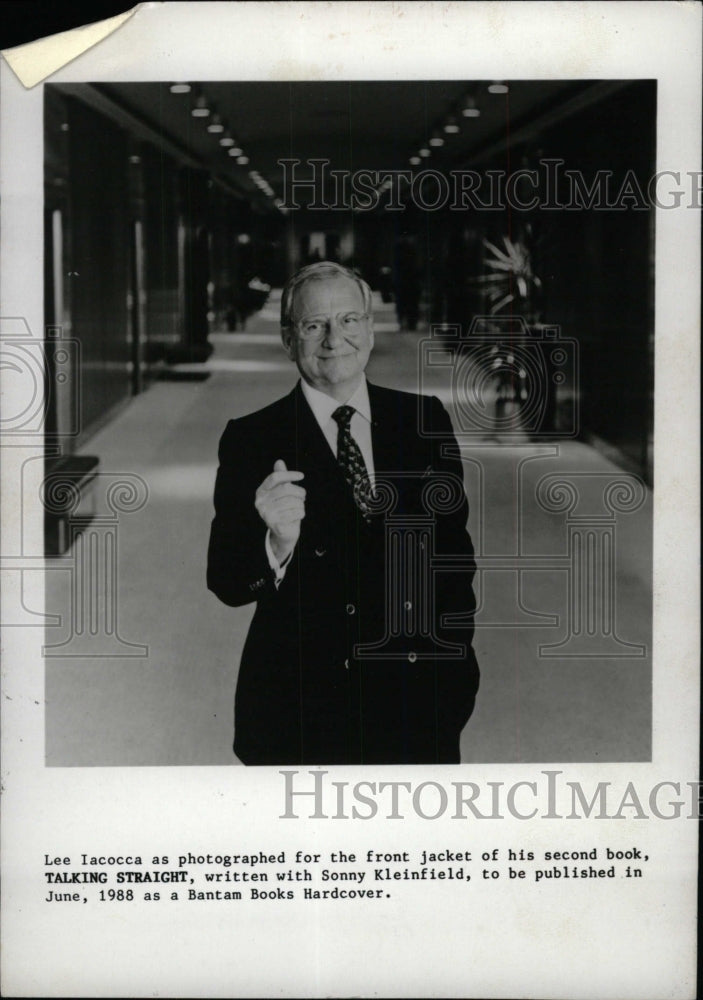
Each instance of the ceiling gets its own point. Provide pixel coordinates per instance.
(370, 125)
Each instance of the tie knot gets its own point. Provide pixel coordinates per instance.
(343, 415)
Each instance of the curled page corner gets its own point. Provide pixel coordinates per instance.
(35, 61)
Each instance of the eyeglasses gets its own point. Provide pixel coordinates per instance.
(317, 326)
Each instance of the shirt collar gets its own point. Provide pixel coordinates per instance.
(323, 406)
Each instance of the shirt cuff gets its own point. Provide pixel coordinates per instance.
(279, 569)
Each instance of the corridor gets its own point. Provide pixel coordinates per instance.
(588, 699)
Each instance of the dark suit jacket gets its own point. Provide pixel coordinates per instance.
(306, 693)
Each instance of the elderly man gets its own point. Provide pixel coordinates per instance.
(331, 671)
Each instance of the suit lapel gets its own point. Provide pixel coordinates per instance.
(327, 490)
(328, 494)
(387, 437)
(314, 453)
(399, 450)
(311, 445)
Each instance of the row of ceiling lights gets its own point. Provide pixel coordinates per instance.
(451, 126)
(216, 126)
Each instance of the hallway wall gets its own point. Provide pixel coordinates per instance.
(147, 255)
(87, 184)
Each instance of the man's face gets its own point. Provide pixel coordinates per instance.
(331, 354)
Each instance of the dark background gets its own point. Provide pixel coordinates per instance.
(25, 22)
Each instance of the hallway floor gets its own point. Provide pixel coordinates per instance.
(175, 705)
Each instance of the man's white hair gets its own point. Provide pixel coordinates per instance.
(315, 272)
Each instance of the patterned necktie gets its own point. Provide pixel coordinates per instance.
(351, 460)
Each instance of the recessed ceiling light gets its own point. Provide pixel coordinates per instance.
(180, 88)
(242, 160)
(497, 87)
(226, 141)
(415, 160)
(425, 151)
(201, 110)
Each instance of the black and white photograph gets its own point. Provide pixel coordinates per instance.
(349, 476)
(487, 251)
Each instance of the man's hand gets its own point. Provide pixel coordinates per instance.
(281, 505)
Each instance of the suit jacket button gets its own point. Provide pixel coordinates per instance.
(351, 609)
(412, 657)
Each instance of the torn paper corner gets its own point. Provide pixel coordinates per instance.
(37, 60)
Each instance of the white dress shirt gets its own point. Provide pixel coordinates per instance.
(323, 406)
